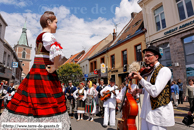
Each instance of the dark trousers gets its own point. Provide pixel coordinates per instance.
(191, 101)
(180, 101)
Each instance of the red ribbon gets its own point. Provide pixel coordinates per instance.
(57, 44)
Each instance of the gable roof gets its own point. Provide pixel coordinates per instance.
(133, 28)
(134, 25)
(75, 58)
(94, 48)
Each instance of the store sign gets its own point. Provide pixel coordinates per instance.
(103, 68)
(161, 51)
(178, 28)
(95, 72)
(14, 64)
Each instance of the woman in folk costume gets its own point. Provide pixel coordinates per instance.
(80, 95)
(39, 97)
(90, 106)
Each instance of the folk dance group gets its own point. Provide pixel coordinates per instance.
(39, 97)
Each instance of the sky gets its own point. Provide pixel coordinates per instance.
(81, 23)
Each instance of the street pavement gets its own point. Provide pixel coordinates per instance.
(179, 112)
(97, 124)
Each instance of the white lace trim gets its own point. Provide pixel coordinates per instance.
(55, 51)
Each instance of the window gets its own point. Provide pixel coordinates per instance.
(189, 52)
(8, 60)
(113, 61)
(128, 36)
(159, 18)
(138, 52)
(185, 8)
(91, 67)
(124, 57)
(86, 69)
(166, 57)
(136, 23)
(83, 70)
(23, 54)
(102, 60)
(4, 58)
(0, 29)
(95, 65)
(127, 29)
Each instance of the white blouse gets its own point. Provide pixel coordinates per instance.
(92, 91)
(50, 43)
(79, 91)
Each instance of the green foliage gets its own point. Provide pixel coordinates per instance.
(70, 71)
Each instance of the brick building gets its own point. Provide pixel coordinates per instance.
(170, 26)
(23, 51)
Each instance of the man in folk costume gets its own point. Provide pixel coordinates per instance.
(70, 100)
(157, 110)
(100, 102)
(90, 103)
(39, 97)
(110, 104)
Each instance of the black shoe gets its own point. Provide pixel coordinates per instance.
(105, 126)
(98, 114)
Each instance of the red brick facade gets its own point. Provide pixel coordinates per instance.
(19, 49)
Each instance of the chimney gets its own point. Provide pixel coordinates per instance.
(133, 14)
(114, 34)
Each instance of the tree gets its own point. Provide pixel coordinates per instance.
(70, 71)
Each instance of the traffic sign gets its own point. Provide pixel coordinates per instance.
(14, 64)
(85, 75)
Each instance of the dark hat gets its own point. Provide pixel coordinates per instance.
(153, 49)
(112, 80)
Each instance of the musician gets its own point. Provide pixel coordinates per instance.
(130, 88)
(110, 104)
(157, 110)
(100, 102)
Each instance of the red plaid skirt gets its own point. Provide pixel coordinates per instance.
(40, 93)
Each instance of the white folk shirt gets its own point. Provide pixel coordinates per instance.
(164, 115)
(111, 102)
(92, 91)
(79, 91)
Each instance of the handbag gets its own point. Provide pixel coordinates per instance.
(177, 96)
(188, 120)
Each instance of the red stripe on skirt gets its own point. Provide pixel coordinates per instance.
(42, 61)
